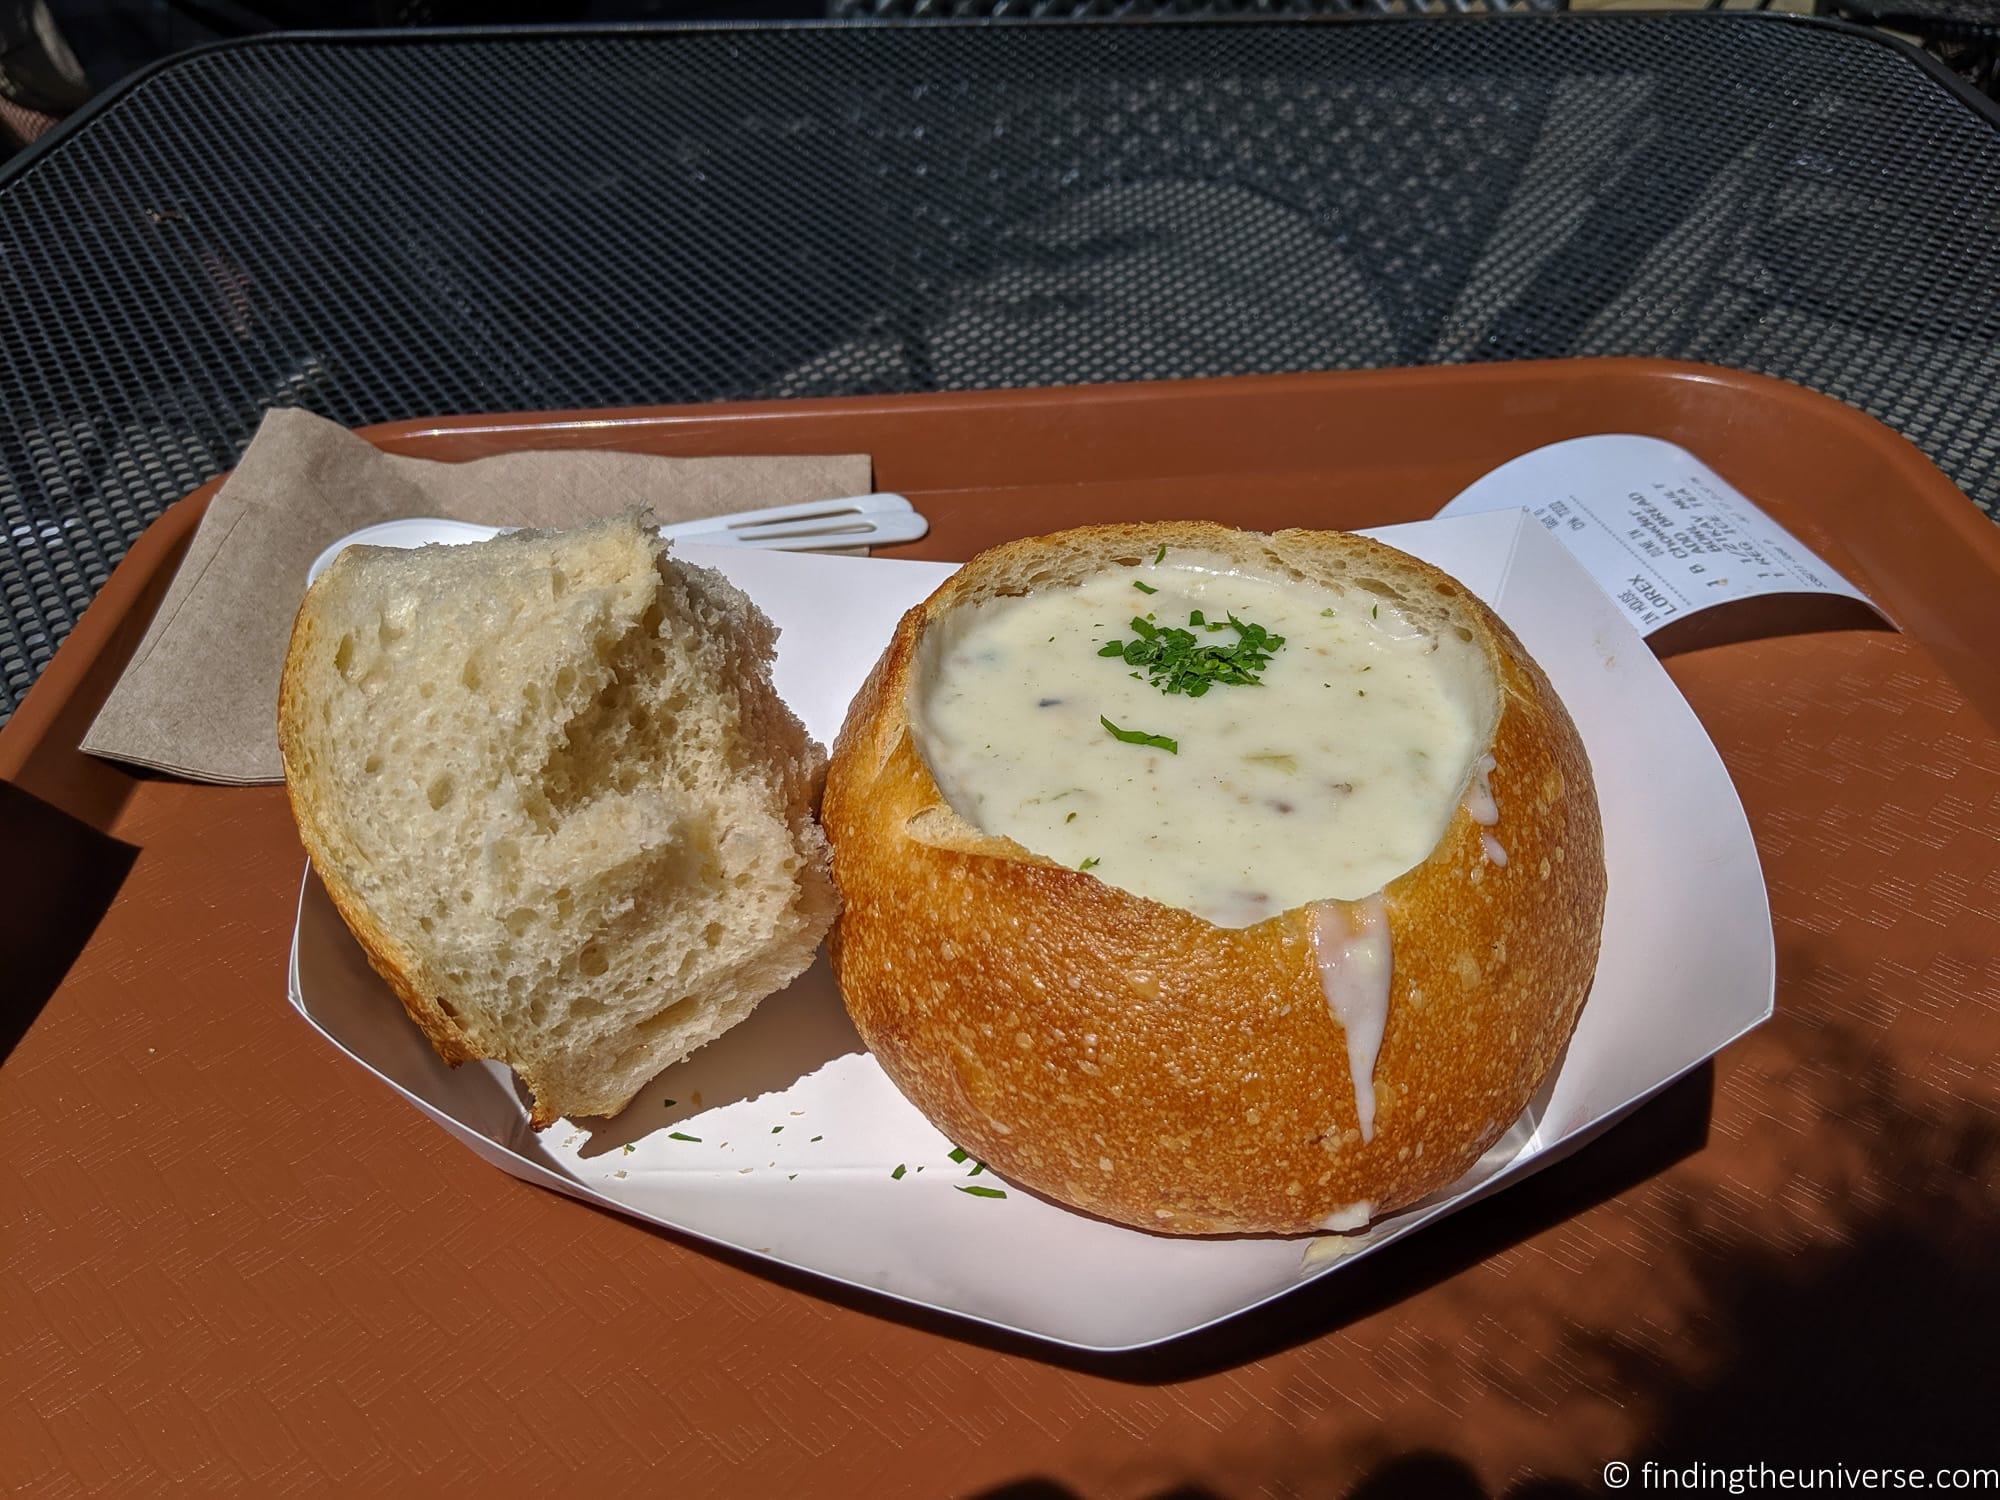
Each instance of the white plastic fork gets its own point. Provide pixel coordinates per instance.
(812, 526)
(879, 520)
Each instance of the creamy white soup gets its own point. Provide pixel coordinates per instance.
(1229, 744)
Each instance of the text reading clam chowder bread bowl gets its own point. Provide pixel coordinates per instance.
(1212, 881)
(551, 789)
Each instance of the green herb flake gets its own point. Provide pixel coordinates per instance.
(630, 1148)
(670, 1103)
(980, 1192)
(817, 1138)
(1160, 556)
(1175, 662)
(1070, 819)
(1326, 614)
(958, 1153)
(1089, 864)
(1374, 611)
(1140, 737)
(776, 1128)
(977, 1168)
(679, 1135)
(897, 1175)
(1144, 588)
(791, 1177)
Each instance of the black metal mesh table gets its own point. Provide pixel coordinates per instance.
(1970, 20)
(392, 226)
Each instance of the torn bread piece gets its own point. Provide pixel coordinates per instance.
(551, 790)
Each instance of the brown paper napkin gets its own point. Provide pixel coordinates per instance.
(199, 698)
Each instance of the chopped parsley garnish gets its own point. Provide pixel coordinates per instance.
(1160, 556)
(630, 1148)
(1088, 863)
(670, 1103)
(776, 1128)
(979, 1192)
(958, 1153)
(676, 1135)
(817, 1138)
(1374, 611)
(977, 1168)
(897, 1175)
(1140, 737)
(1174, 661)
(1144, 588)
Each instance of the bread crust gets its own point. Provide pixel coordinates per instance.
(397, 964)
(1137, 1062)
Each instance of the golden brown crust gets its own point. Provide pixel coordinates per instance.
(398, 967)
(1134, 1061)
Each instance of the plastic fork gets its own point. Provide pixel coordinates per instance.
(879, 520)
(811, 526)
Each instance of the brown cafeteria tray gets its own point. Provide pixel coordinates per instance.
(230, 1259)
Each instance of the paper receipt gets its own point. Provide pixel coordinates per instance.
(1661, 532)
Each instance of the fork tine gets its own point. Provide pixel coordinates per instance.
(771, 531)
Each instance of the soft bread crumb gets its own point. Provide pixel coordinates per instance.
(550, 786)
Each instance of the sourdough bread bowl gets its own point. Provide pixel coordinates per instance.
(1170, 1034)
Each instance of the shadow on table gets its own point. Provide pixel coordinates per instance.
(1871, 1349)
(1874, 1347)
(1865, 1339)
(1048, 1489)
(1414, 1476)
(58, 875)
(1837, 1284)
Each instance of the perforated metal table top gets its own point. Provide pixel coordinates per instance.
(387, 226)
(1968, 19)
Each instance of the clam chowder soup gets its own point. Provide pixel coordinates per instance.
(1231, 744)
